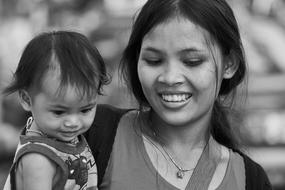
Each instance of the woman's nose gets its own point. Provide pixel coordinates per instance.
(171, 74)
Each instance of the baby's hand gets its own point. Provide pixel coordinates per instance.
(71, 185)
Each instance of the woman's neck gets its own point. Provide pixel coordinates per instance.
(181, 142)
(191, 135)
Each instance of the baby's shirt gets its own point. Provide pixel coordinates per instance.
(73, 162)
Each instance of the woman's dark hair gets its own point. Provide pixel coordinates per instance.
(216, 17)
(80, 63)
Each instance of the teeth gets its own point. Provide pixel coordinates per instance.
(175, 97)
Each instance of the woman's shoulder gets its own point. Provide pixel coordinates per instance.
(106, 114)
(107, 110)
(108, 107)
(101, 134)
(250, 164)
(256, 177)
(105, 124)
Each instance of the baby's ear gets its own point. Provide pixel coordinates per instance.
(230, 66)
(25, 100)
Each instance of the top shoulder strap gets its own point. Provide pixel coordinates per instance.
(101, 135)
(43, 150)
(256, 177)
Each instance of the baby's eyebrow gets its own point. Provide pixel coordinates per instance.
(89, 105)
(59, 106)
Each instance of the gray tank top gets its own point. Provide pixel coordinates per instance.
(130, 168)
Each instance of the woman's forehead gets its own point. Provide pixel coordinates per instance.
(179, 33)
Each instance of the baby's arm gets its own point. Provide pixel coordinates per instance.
(34, 172)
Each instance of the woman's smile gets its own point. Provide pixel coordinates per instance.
(174, 100)
(175, 97)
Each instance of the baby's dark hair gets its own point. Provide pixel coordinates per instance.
(79, 62)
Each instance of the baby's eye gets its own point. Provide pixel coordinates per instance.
(58, 112)
(86, 110)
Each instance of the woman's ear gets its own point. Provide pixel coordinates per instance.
(25, 100)
(230, 66)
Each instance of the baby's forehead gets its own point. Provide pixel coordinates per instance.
(76, 93)
(53, 87)
(57, 84)
(68, 100)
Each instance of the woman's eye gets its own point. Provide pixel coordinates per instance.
(192, 62)
(153, 61)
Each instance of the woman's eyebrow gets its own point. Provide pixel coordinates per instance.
(188, 49)
(152, 49)
(192, 49)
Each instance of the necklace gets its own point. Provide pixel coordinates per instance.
(34, 131)
(28, 127)
(181, 172)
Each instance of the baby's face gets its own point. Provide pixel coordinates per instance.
(62, 116)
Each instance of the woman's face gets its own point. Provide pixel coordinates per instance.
(180, 72)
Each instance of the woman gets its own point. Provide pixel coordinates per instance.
(183, 58)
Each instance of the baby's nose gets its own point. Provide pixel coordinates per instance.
(72, 121)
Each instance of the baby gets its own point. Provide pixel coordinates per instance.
(58, 79)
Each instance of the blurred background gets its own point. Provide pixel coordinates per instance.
(107, 23)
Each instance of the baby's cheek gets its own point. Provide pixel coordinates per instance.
(88, 121)
(71, 185)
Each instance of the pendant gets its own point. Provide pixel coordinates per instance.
(180, 174)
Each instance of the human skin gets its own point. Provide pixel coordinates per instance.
(62, 115)
(180, 69)
(179, 74)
